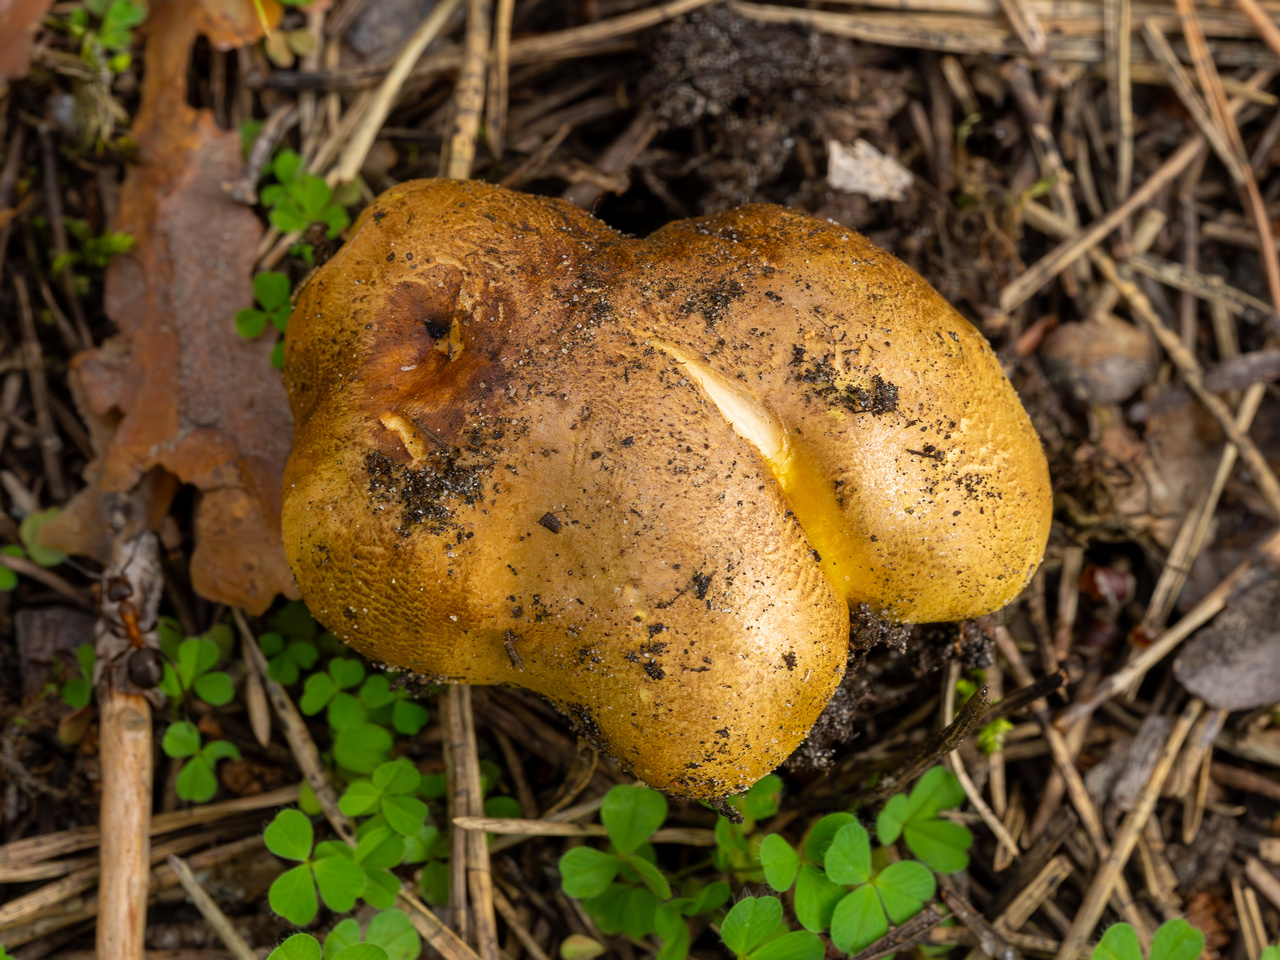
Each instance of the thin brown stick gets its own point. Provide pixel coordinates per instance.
(617, 157)
(515, 767)
(1067, 252)
(512, 919)
(57, 227)
(470, 802)
(966, 782)
(1224, 117)
(1263, 23)
(49, 845)
(1263, 879)
(298, 736)
(1209, 607)
(1068, 600)
(1117, 31)
(990, 941)
(510, 826)
(499, 71)
(39, 901)
(468, 96)
(455, 806)
(916, 930)
(49, 578)
(375, 114)
(568, 815)
(1109, 873)
(1192, 100)
(125, 743)
(210, 910)
(33, 357)
(255, 698)
(1026, 23)
(437, 935)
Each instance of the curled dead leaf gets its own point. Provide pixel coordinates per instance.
(179, 389)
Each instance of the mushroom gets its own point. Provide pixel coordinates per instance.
(645, 479)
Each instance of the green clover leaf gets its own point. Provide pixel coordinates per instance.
(1120, 942)
(587, 872)
(631, 814)
(750, 922)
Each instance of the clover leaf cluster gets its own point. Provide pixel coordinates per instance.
(841, 884)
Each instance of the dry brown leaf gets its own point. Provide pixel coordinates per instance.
(228, 24)
(183, 390)
(19, 21)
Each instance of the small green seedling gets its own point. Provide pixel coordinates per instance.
(197, 781)
(78, 691)
(755, 930)
(992, 736)
(96, 251)
(334, 871)
(1175, 940)
(940, 844)
(195, 659)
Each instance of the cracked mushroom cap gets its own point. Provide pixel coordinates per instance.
(644, 478)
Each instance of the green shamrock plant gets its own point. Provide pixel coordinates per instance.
(30, 549)
(328, 691)
(108, 42)
(896, 893)
(96, 251)
(852, 892)
(390, 931)
(29, 531)
(1174, 940)
(192, 669)
(300, 199)
(940, 844)
(271, 291)
(755, 930)
(286, 659)
(78, 691)
(389, 790)
(197, 781)
(332, 869)
(389, 936)
(735, 851)
(360, 719)
(623, 889)
(630, 815)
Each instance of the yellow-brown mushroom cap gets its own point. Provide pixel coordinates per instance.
(644, 478)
